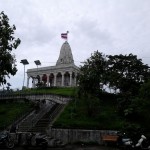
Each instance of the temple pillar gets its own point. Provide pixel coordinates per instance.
(70, 78)
(47, 80)
(75, 80)
(40, 78)
(28, 81)
(55, 74)
(33, 82)
(62, 81)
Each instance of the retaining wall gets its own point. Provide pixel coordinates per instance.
(78, 135)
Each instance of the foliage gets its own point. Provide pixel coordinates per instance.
(92, 73)
(76, 116)
(137, 109)
(144, 92)
(123, 103)
(133, 131)
(40, 84)
(92, 105)
(66, 91)
(7, 44)
(11, 111)
(126, 73)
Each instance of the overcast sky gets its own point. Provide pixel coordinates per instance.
(109, 26)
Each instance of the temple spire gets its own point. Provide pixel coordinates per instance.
(65, 56)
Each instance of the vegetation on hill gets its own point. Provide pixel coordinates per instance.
(111, 111)
(76, 115)
(66, 91)
(9, 112)
(129, 79)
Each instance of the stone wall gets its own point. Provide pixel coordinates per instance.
(78, 135)
(33, 97)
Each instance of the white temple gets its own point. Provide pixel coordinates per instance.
(63, 74)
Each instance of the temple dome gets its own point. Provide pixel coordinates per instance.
(65, 56)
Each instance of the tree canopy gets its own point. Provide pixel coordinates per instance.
(7, 43)
(126, 73)
(121, 72)
(91, 73)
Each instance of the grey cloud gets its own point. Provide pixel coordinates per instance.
(36, 33)
(94, 33)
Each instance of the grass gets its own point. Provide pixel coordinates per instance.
(11, 111)
(66, 91)
(75, 116)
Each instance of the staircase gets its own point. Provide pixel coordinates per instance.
(38, 122)
(27, 123)
(47, 119)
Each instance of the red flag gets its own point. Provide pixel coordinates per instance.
(64, 35)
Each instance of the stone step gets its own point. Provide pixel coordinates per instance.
(43, 122)
(33, 118)
(47, 118)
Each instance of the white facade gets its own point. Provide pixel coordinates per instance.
(63, 74)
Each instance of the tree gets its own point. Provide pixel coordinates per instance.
(92, 74)
(123, 72)
(139, 107)
(126, 73)
(7, 44)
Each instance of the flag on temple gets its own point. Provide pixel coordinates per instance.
(64, 35)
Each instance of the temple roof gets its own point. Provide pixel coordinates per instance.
(65, 56)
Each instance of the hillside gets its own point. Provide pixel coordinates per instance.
(9, 112)
(75, 113)
(75, 116)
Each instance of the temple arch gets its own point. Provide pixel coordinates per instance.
(59, 79)
(44, 79)
(66, 79)
(51, 79)
(73, 79)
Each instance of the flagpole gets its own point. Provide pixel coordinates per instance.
(67, 36)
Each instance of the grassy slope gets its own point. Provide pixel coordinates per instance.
(10, 112)
(74, 116)
(59, 91)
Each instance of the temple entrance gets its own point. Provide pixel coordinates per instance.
(66, 79)
(59, 79)
(51, 80)
(44, 79)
